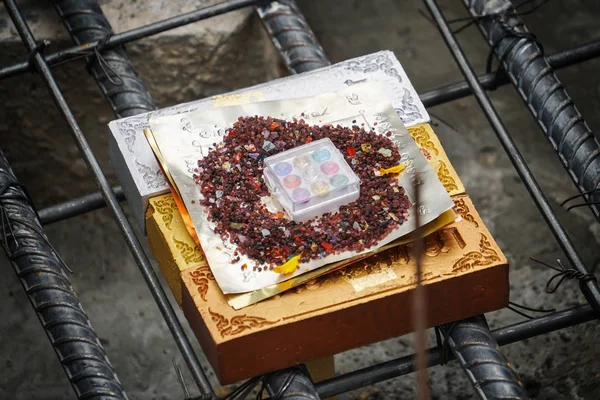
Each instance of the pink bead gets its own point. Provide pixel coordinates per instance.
(292, 181)
(330, 168)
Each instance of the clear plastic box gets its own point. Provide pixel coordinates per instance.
(311, 180)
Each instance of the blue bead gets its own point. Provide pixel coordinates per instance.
(321, 155)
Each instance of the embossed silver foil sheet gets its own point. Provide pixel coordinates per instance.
(136, 166)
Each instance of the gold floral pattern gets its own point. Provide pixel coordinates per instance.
(237, 324)
(421, 136)
(191, 255)
(485, 256)
(201, 276)
(443, 174)
(166, 207)
(461, 207)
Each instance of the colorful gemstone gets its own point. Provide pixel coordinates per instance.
(320, 187)
(351, 151)
(292, 181)
(338, 180)
(301, 162)
(321, 155)
(327, 246)
(268, 145)
(282, 168)
(301, 195)
(385, 152)
(330, 168)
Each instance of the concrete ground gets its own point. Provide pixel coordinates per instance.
(560, 365)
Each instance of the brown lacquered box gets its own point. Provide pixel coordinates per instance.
(465, 273)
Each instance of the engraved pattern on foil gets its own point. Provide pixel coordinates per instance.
(353, 99)
(307, 115)
(350, 82)
(485, 256)
(201, 276)
(410, 111)
(129, 128)
(372, 63)
(384, 126)
(443, 174)
(190, 254)
(152, 179)
(461, 207)
(166, 207)
(423, 210)
(237, 324)
(190, 165)
(248, 276)
(422, 138)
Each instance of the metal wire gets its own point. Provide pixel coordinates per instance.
(406, 365)
(521, 56)
(42, 274)
(78, 206)
(292, 36)
(589, 288)
(134, 34)
(330, 387)
(489, 81)
(430, 98)
(112, 202)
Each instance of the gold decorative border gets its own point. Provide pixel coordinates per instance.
(237, 324)
(443, 174)
(485, 256)
(422, 138)
(191, 255)
(201, 276)
(166, 207)
(461, 207)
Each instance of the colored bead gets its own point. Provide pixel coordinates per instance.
(282, 168)
(330, 168)
(320, 187)
(301, 162)
(292, 181)
(338, 180)
(321, 155)
(301, 195)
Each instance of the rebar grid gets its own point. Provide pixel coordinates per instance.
(111, 196)
(111, 200)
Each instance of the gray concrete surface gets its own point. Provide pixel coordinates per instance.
(561, 365)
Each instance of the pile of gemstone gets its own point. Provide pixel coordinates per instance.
(231, 182)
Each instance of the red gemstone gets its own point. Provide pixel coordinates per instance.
(351, 151)
(327, 246)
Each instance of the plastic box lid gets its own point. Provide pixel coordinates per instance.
(311, 180)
